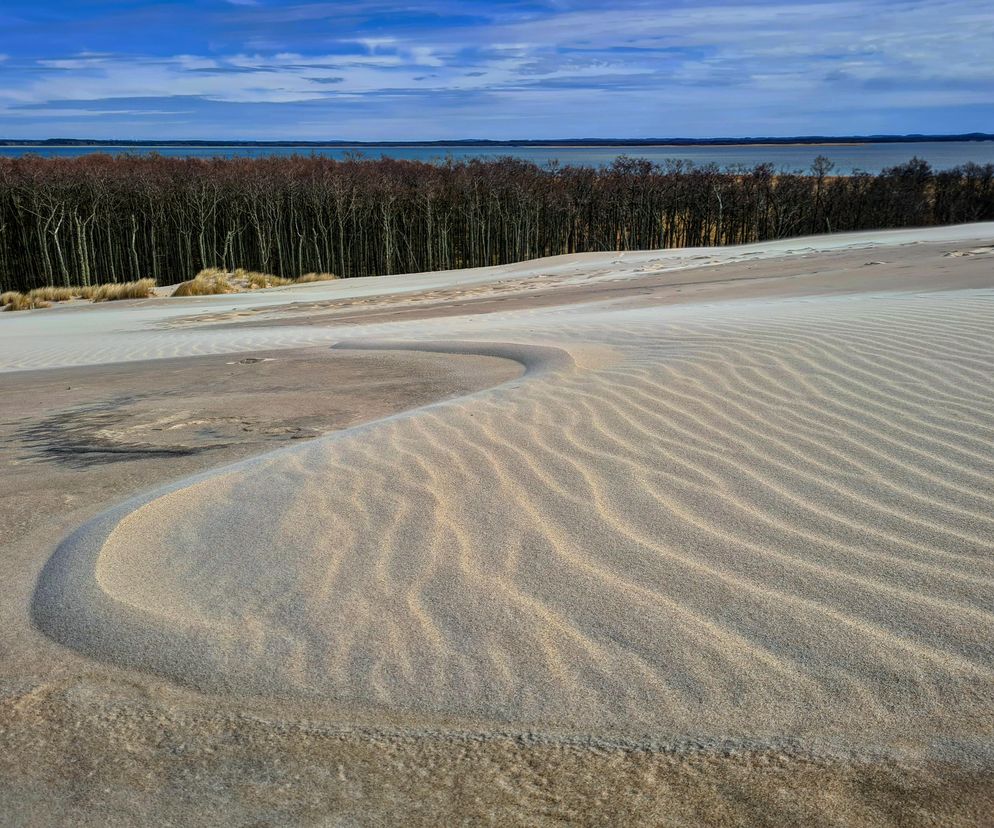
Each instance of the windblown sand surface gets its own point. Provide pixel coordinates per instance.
(744, 501)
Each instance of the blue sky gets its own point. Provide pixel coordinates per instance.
(443, 69)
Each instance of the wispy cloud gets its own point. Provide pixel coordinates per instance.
(521, 68)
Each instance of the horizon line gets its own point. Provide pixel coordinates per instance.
(510, 142)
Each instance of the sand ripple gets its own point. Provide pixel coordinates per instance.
(752, 518)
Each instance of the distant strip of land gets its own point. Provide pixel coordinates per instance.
(827, 140)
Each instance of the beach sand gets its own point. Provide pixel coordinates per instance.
(679, 537)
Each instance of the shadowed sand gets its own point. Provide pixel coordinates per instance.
(743, 508)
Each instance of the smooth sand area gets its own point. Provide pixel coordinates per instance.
(651, 536)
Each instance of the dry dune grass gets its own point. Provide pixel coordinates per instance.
(53, 294)
(254, 280)
(140, 289)
(14, 301)
(43, 297)
(215, 280)
(316, 277)
(207, 282)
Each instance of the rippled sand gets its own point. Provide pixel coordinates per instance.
(764, 518)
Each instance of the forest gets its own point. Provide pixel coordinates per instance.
(101, 218)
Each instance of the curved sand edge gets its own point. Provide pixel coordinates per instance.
(71, 606)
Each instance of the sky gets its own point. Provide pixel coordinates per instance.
(505, 69)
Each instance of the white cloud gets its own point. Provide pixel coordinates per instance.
(68, 112)
(671, 66)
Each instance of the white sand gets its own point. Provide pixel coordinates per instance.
(769, 519)
(93, 334)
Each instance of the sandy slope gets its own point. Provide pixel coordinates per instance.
(765, 519)
(94, 334)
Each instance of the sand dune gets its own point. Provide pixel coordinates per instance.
(167, 328)
(762, 519)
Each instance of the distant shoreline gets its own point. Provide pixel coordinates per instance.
(566, 143)
(429, 146)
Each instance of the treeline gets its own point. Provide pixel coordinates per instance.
(99, 218)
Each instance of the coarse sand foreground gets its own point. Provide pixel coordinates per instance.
(672, 537)
(761, 520)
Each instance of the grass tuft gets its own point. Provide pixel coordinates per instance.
(208, 282)
(52, 294)
(42, 297)
(316, 277)
(254, 280)
(213, 280)
(20, 301)
(141, 289)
